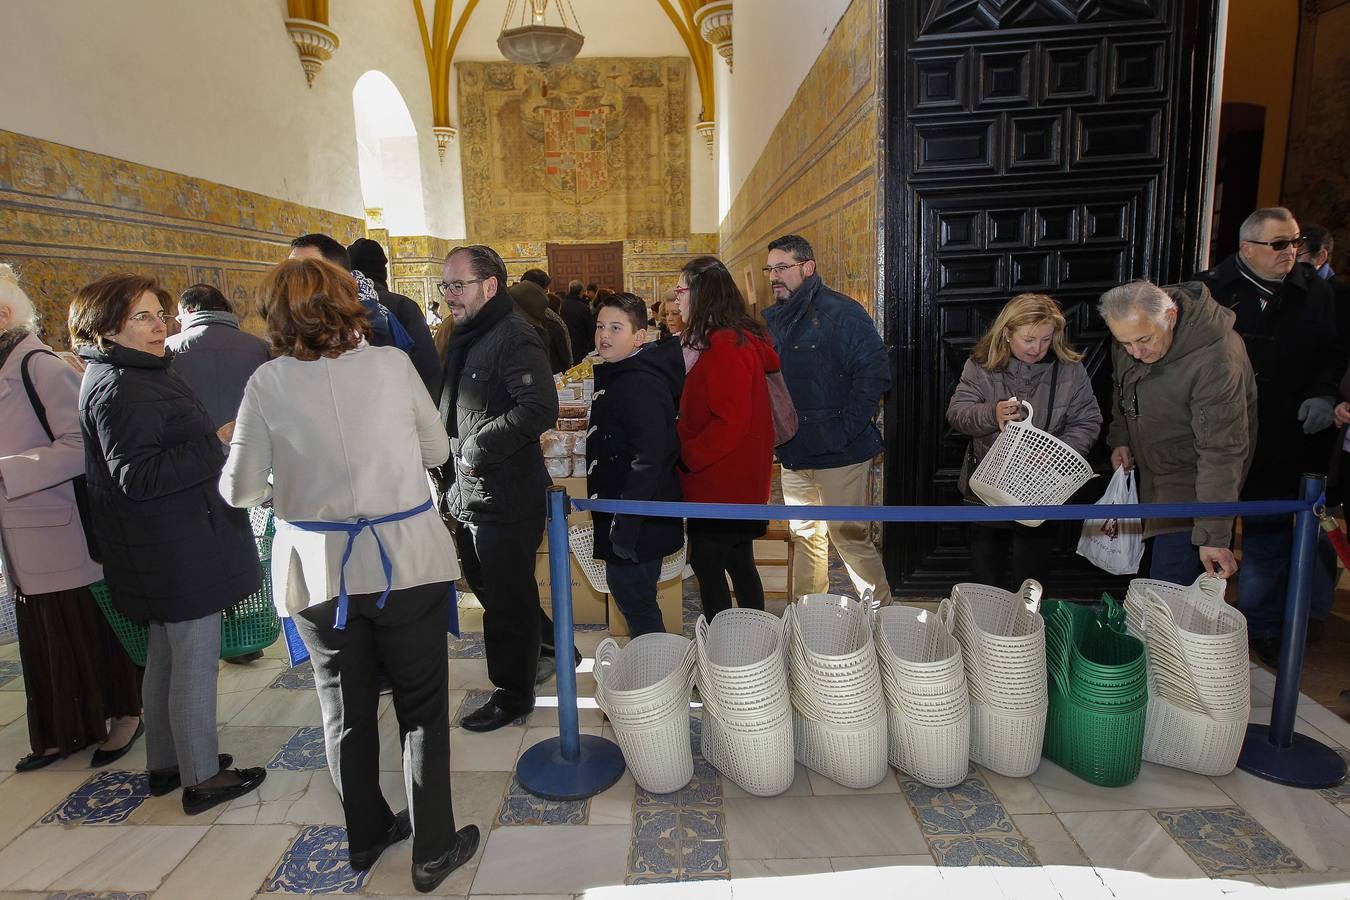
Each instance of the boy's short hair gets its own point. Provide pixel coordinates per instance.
(631, 305)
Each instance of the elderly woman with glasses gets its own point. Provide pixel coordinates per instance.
(174, 553)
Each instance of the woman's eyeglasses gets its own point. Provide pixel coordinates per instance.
(143, 318)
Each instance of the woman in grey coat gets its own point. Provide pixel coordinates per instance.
(1024, 356)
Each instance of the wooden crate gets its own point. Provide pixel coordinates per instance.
(773, 557)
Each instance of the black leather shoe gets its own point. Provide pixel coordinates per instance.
(361, 860)
(245, 659)
(426, 877)
(166, 780)
(108, 757)
(199, 800)
(490, 717)
(33, 761)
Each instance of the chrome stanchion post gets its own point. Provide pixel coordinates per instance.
(1276, 752)
(571, 766)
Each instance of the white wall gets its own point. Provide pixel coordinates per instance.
(216, 91)
(776, 42)
(704, 215)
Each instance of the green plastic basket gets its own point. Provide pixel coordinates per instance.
(1098, 693)
(248, 626)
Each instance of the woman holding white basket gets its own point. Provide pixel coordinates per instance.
(1022, 364)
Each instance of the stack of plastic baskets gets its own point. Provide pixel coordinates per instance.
(1199, 682)
(838, 708)
(1098, 692)
(581, 539)
(644, 689)
(742, 681)
(1027, 466)
(927, 705)
(1002, 641)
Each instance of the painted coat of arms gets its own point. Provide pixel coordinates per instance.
(575, 164)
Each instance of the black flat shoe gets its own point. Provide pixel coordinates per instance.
(426, 877)
(551, 653)
(199, 800)
(361, 860)
(32, 762)
(490, 717)
(166, 780)
(103, 758)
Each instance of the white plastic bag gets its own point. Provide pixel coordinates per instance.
(1115, 545)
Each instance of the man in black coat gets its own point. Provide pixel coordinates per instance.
(576, 312)
(496, 401)
(368, 257)
(1287, 319)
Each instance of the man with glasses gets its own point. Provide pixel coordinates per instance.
(496, 400)
(1183, 410)
(1287, 319)
(836, 370)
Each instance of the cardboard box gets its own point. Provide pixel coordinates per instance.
(669, 596)
(575, 487)
(589, 606)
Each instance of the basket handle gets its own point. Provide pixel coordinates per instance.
(1030, 592)
(605, 655)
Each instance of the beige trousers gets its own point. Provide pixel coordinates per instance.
(842, 486)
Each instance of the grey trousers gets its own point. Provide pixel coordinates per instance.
(179, 694)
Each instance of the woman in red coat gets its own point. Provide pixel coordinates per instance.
(726, 429)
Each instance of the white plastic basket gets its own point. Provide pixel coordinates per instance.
(759, 762)
(1029, 467)
(581, 538)
(1187, 740)
(644, 689)
(855, 757)
(1008, 744)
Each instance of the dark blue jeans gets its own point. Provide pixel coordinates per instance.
(1175, 559)
(1263, 582)
(634, 588)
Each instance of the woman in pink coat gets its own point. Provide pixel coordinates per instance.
(76, 674)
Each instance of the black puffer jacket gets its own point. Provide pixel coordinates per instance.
(173, 550)
(505, 401)
(633, 447)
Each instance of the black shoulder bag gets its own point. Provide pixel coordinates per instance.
(80, 483)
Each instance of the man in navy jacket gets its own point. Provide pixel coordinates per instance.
(836, 370)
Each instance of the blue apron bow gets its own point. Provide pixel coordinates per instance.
(352, 529)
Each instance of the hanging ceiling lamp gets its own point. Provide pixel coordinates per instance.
(528, 38)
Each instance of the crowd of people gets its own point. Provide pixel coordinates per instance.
(396, 462)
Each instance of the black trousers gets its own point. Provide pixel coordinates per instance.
(498, 561)
(713, 555)
(1005, 557)
(406, 640)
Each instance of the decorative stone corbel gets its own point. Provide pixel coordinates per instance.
(315, 42)
(713, 21)
(444, 135)
(709, 132)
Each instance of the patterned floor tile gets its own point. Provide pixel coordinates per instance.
(473, 700)
(300, 678)
(949, 821)
(9, 670)
(1341, 793)
(316, 863)
(304, 751)
(520, 807)
(704, 789)
(107, 798)
(703, 859)
(983, 850)
(469, 645)
(971, 792)
(1228, 841)
(680, 836)
(590, 626)
(696, 735)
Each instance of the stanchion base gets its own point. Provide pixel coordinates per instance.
(1305, 763)
(543, 772)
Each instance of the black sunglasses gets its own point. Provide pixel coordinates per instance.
(1282, 244)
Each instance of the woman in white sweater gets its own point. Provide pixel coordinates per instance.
(339, 435)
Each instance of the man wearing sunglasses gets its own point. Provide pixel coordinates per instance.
(1286, 317)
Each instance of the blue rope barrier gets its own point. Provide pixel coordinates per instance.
(967, 513)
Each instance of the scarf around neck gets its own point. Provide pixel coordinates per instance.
(1269, 287)
(209, 317)
(375, 311)
(465, 335)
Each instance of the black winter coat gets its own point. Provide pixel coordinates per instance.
(633, 447)
(580, 326)
(506, 400)
(424, 357)
(1295, 354)
(173, 550)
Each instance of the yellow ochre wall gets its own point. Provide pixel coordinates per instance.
(1259, 68)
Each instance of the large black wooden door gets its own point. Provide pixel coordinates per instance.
(1033, 145)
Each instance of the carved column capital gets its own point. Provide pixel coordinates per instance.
(713, 21)
(315, 42)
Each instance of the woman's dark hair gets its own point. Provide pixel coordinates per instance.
(102, 307)
(485, 263)
(715, 302)
(312, 309)
(203, 297)
(631, 305)
(330, 249)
